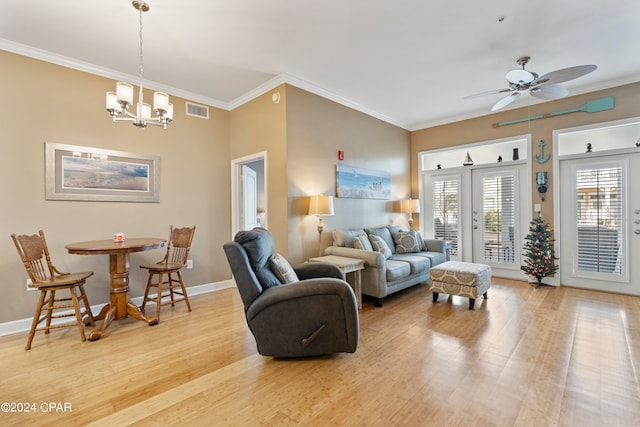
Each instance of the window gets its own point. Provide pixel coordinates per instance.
(599, 219)
(445, 210)
(499, 216)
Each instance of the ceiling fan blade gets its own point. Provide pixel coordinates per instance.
(505, 101)
(566, 74)
(547, 91)
(491, 92)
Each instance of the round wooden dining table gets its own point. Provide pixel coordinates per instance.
(120, 306)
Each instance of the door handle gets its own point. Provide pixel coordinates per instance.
(636, 231)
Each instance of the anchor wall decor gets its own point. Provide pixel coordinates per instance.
(542, 158)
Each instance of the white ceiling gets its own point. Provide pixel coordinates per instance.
(408, 62)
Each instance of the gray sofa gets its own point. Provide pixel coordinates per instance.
(387, 273)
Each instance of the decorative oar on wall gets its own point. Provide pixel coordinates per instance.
(594, 106)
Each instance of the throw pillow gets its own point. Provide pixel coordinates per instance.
(406, 242)
(345, 237)
(283, 270)
(384, 233)
(363, 243)
(380, 245)
(420, 240)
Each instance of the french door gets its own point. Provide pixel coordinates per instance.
(497, 215)
(600, 223)
(482, 212)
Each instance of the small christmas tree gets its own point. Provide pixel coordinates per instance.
(539, 251)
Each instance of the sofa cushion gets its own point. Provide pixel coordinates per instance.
(396, 270)
(380, 245)
(384, 233)
(283, 270)
(363, 243)
(345, 237)
(436, 258)
(259, 246)
(418, 264)
(407, 242)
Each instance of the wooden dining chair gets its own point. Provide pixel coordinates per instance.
(168, 272)
(48, 279)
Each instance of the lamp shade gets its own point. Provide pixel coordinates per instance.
(321, 205)
(410, 206)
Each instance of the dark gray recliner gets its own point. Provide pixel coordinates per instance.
(316, 316)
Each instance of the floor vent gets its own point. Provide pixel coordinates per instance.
(197, 110)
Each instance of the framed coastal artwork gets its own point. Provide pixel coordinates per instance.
(359, 183)
(95, 174)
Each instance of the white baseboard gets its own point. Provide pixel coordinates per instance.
(22, 325)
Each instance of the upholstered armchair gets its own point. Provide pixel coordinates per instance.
(315, 314)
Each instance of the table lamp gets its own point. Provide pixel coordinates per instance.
(321, 206)
(410, 207)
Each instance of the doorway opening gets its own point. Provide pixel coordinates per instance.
(249, 192)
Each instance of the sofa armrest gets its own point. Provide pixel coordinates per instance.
(436, 245)
(371, 258)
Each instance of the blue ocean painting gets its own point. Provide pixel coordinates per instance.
(99, 174)
(359, 183)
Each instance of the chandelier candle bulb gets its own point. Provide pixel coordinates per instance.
(160, 102)
(112, 102)
(144, 112)
(124, 92)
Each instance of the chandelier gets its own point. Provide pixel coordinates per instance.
(118, 102)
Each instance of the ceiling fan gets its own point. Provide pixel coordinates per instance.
(544, 87)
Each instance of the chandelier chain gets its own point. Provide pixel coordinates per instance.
(141, 69)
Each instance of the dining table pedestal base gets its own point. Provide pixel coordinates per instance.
(120, 306)
(109, 313)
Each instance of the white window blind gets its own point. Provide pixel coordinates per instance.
(499, 217)
(599, 201)
(445, 211)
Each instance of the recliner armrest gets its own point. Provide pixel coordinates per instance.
(292, 293)
(313, 270)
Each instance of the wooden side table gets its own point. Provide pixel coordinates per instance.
(346, 265)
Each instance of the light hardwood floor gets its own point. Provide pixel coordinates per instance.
(525, 357)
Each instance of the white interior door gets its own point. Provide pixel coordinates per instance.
(600, 223)
(249, 198)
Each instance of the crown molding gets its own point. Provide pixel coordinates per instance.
(276, 81)
(87, 67)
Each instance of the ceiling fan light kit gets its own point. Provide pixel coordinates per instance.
(543, 87)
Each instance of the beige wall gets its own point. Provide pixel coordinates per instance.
(301, 135)
(257, 126)
(46, 102)
(316, 129)
(481, 129)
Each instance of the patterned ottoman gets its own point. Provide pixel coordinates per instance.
(464, 279)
